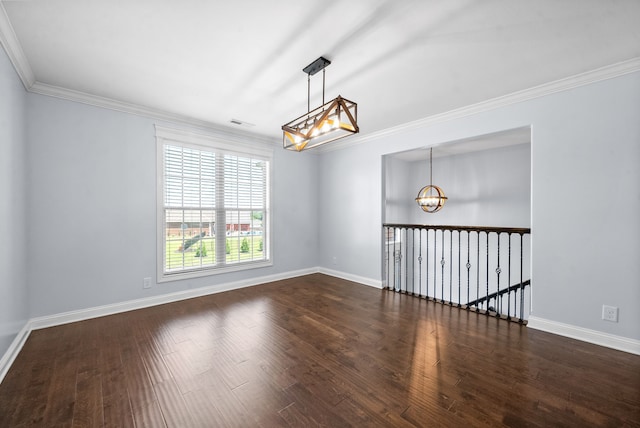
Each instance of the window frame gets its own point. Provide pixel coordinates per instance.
(231, 145)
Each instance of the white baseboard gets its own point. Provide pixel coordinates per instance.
(586, 335)
(376, 283)
(14, 349)
(130, 305)
(579, 333)
(99, 311)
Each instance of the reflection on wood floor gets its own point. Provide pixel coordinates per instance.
(314, 351)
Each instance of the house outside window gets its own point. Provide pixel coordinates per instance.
(213, 205)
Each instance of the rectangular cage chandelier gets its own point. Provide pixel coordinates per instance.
(331, 121)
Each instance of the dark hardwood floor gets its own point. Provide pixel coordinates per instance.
(314, 351)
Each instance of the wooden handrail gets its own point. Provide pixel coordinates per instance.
(488, 229)
(500, 293)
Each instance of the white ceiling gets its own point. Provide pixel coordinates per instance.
(400, 60)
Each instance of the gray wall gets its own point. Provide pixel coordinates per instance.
(399, 190)
(585, 142)
(13, 251)
(92, 198)
(485, 188)
(83, 195)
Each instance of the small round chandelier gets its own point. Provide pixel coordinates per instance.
(431, 198)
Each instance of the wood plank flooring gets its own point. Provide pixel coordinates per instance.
(314, 351)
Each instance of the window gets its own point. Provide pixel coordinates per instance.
(213, 205)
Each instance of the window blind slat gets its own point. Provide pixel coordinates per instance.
(191, 179)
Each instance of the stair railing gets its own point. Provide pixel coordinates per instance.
(484, 269)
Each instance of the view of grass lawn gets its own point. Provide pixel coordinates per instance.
(176, 259)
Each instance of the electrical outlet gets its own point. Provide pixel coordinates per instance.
(146, 282)
(610, 313)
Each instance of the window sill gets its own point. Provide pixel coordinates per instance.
(168, 277)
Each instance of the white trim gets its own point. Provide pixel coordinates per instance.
(586, 335)
(236, 145)
(99, 311)
(12, 46)
(131, 305)
(582, 79)
(9, 41)
(14, 349)
(376, 283)
(208, 271)
(153, 113)
(232, 143)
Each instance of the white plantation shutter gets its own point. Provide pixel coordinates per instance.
(214, 205)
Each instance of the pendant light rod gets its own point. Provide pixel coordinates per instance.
(311, 69)
(308, 93)
(431, 166)
(323, 74)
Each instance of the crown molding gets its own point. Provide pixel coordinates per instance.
(11, 45)
(582, 79)
(231, 143)
(9, 41)
(139, 110)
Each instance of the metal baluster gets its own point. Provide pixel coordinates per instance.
(459, 267)
(396, 262)
(413, 262)
(435, 264)
(419, 262)
(399, 256)
(393, 257)
(487, 253)
(478, 273)
(509, 282)
(413, 265)
(406, 258)
(498, 271)
(406, 261)
(521, 287)
(386, 261)
(427, 264)
(468, 266)
(451, 266)
(442, 263)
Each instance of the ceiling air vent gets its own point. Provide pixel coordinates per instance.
(241, 123)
